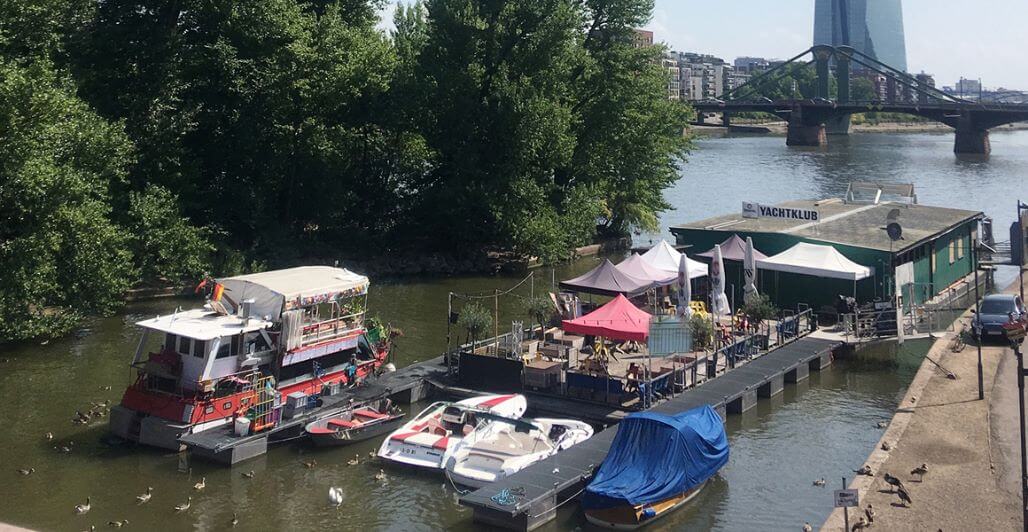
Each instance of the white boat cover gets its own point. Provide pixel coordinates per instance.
(277, 291)
(816, 260)
(203, 324)
(664, 256)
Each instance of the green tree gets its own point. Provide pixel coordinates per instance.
(540, 309)
(862, 90)
(476, 320)
(164, 245)
(61, 256)
(758, 309)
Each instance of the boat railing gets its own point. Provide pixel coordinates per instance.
(330, 329)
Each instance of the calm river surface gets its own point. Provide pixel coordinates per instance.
(821, 428)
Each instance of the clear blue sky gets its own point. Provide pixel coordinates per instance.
(985, 39)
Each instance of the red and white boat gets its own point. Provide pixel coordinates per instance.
(259, 339)
(430, 438)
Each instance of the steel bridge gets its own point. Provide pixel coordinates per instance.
(811, 120)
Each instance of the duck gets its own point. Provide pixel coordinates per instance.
(335, 496)
(861, 524)
(820, 482)
(48, 436)
(865, 470)
(184, 506)
(118, 524)
(807, 527)
(381, 475)
(200, 485)
(235, 519)
(83, 508)
(91, 528)
(371, 455)
(882, 424)
(310, 464)
(870, 514)
(146, 496)
(27, 472)
(356, 460)
(249, 474)
(886, 446)
(920, 471)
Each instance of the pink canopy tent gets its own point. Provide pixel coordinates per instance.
(607, 280)
(618, 320)
(734, 248)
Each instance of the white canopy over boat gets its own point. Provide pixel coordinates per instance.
(277, 291)
(664, 256)
(817, 261)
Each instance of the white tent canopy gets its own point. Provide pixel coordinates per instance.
(665, 257)
(277, 291)
(817, 261)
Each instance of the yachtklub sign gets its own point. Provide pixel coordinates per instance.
(756, 210)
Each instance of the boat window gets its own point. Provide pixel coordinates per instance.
(169, 341)
(229, 347)
(183, 345)
(199, 348)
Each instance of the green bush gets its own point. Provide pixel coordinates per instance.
(702, 332)
(759, 309)
(540, 309)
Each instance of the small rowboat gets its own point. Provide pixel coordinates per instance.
(355, 425)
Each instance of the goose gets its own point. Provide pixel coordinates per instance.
(48, 436)
(381, 475)
(920, 471)
(335, 496)
(865, 470)
(904, 496)
(91, 528)
(886, 446)
(106, 388)
(807, 527)
(893, 481)
(820, 482)
(862, 524)
(249, 474)
(83, 508)
(371, 454)
(184, 506)
(869, 512)
(146, 496)
(356, 460)
(235, 519)
(27, 472)
(311, 464)
(882, 424)
(118, 524)
(200, 485)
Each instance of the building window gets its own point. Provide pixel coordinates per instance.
(960, 248)
(952, 251)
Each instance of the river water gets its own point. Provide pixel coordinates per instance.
(821, 428)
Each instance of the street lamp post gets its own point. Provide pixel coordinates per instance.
(977, 309)
(1015, 333)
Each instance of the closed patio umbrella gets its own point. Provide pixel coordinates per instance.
(719, 301)
(684, 287)
(749, 272)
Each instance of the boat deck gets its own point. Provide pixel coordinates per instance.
(409, 384)
(529, 498)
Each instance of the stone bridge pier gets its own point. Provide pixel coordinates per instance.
(806, 128)
(971, 137)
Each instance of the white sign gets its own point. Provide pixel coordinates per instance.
(847, 499)
(757, 210)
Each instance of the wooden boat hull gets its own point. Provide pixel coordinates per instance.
(635, 517)
(354, 425)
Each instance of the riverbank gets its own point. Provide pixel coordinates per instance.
(942, 423)
(780, 128)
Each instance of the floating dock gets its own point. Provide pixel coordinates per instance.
(407, 385)
(530, 498)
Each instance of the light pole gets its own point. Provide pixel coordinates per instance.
(1015, 333)
(977, 309)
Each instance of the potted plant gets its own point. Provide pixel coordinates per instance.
(475, 319)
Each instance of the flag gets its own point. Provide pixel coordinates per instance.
(218, 290)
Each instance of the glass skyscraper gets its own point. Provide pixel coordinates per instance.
(874, 27)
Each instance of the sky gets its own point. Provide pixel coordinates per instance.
(985, 39)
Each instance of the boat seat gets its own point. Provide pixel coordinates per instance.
(369, 414)
(320, 430)
(343, 423)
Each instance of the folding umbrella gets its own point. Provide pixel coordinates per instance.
(684, 287)
(749, 272)
(719, 301)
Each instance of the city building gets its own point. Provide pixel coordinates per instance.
(643, 38)
(674, 91)
(968, 88)
(872, 27)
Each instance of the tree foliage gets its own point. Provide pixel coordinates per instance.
(476, 320)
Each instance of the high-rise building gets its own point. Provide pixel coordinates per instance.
(873, 27)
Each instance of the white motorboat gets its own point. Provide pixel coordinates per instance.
(501, 447)
(428, 439)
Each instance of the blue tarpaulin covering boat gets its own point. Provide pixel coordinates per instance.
(655, 457)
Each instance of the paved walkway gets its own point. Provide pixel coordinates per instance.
(969, 445)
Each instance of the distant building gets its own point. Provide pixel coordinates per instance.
(873, 27)
(643, 38)
(701, 76)
(968, 88)
(674, 81)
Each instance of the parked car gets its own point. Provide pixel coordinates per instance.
(994, 312)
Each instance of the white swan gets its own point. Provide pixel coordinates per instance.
(335, 496)
(83, 508)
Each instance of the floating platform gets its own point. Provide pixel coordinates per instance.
(407, 385)
(530, 498)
